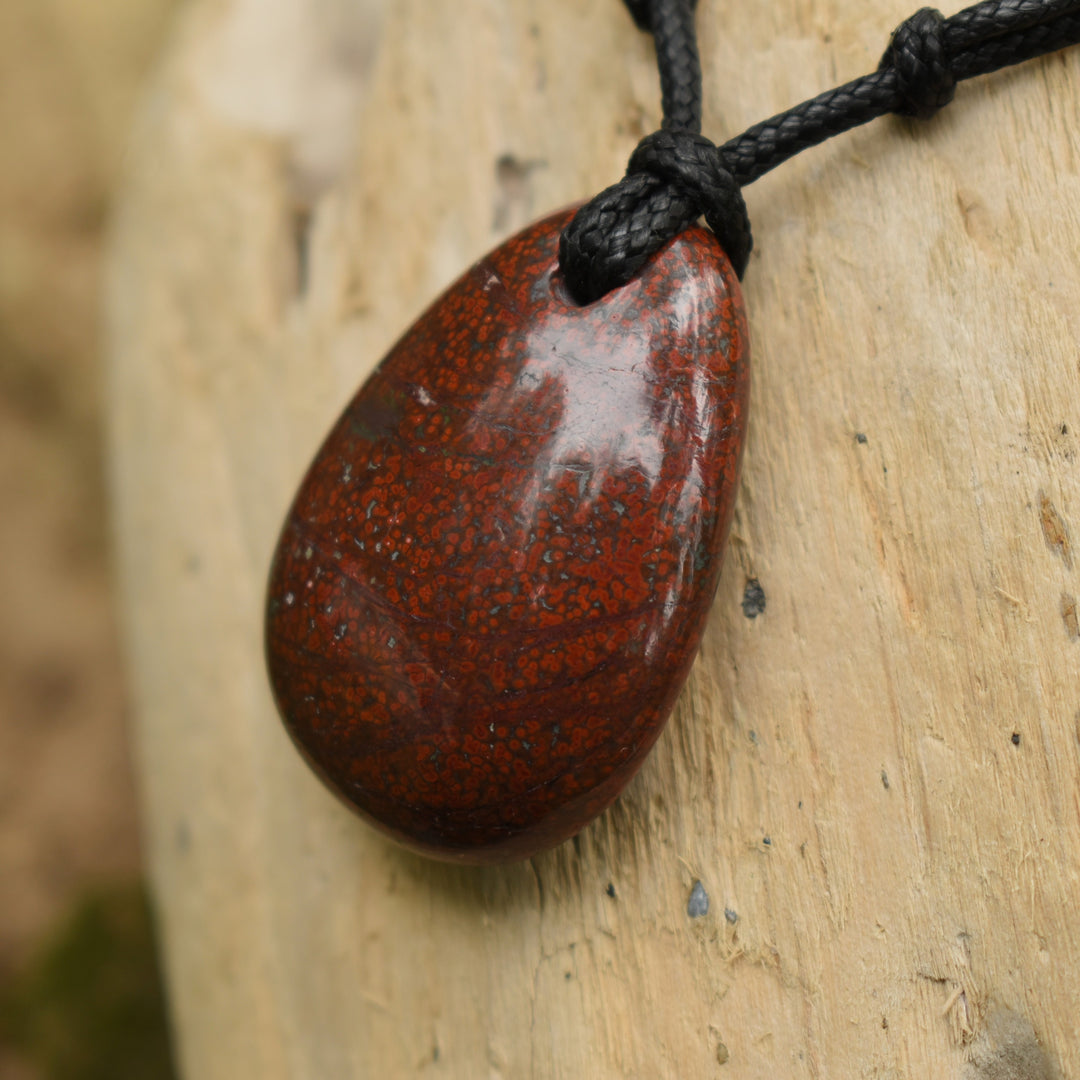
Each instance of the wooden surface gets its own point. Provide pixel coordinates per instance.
(875, 781)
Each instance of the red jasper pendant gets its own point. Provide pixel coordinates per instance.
(495, 576)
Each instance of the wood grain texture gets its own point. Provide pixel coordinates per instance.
(875, 780)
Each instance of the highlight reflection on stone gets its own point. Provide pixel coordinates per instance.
(494, 578)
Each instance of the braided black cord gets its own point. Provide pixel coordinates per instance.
(680, 67)
(970, 51)
(676, 175)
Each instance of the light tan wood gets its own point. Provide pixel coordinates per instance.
(892, 882)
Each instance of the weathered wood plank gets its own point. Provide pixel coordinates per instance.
(886, 865)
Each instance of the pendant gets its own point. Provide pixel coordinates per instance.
(495, 576)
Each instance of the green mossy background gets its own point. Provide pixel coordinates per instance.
(90, 1005)
(80, 993)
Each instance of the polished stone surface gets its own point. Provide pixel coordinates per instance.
(495, 576)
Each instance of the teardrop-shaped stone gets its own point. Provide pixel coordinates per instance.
(493, 581)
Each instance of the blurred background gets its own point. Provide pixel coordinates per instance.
(80, 992)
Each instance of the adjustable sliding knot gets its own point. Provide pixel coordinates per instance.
(917, 53)
(673, 177)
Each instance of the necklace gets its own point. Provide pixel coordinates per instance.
(495, 576)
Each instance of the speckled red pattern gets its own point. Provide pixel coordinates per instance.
(494, 579)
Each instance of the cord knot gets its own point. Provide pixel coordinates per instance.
(917, 53)
(673, 177)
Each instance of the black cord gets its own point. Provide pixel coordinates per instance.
(676, 175)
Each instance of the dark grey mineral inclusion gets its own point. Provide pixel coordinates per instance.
(698, 904)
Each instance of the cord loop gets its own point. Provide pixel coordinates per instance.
(693, 163)
(918, 55)
(675, 175)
